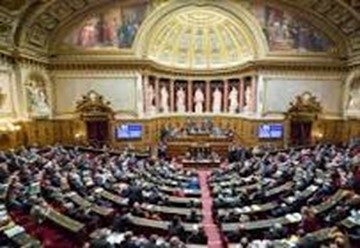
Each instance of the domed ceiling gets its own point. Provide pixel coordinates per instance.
(200, 38)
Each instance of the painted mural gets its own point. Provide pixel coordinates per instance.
(287, 32)
(116, 27)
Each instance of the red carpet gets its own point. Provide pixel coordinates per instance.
(49, 236)
(211, 229)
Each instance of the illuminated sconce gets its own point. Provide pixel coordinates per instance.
(318, 136)
(79, 136)
(7, 127)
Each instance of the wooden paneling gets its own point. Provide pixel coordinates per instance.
(49, 132)
(337, 131)
(245, 130)
(41, 133)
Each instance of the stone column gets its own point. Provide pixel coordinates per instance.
(207, 96)
(145, 87)
(140, 92)
(253, 93)
(241, 93)
(190, 97)
(225, 96)
(157, 94)
(172, 95)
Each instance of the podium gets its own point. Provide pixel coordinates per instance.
(179, 146)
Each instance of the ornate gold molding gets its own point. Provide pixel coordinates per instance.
(152, 68)
(93, 107)
(305, 107)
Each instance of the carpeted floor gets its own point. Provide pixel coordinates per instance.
(49, 236)
(53, 238)
(211, 229)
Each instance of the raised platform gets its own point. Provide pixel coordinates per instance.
(204, 164)
(179, 146)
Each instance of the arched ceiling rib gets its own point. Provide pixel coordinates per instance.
(200, 38)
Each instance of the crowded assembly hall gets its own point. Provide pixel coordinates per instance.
(180, 123)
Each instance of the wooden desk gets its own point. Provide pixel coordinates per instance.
(350, 222)
(60, 219)
(201, 164)
(253, 209)
(113, 198)
(163, 225)
(277, 190)
(233, 181)
(169, 210)
(319, 236)
(248, 187)
(18, 235)
(3, 191)
(124, 201)
(184, 200)
(261, 224)
(178, 146)
(304, 194)
(293, 218)
(331, 202)
(24, 240)
(187, 192)
(103, 211)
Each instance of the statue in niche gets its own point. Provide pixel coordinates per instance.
(164, 100)
(37, 97)
(150, 97)
(217, 97)
(248, 99)
(180, 100)
(233, 98)
(199, 101)
(354, 101)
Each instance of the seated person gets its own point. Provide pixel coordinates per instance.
(137, 211)
(120, 223)
(100, 241)
(176, 228)
(310, 222)
(193, 217)
(197, 236)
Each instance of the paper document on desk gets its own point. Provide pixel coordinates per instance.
(246, 209)
(14, 231)
(238, 210)
(255, 208)
(291, 199)
(293, 218)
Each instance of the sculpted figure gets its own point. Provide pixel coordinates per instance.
(164, 100)
(248, 99)
(180, 100)
(217, 97)
(199, 100)
(354, 102)
(37, 99)
(233, 98)
(150, 96)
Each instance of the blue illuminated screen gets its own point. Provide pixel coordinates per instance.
(271, 131)
(129, 131)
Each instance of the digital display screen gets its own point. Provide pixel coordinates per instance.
(271, 131)
(129, 131)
